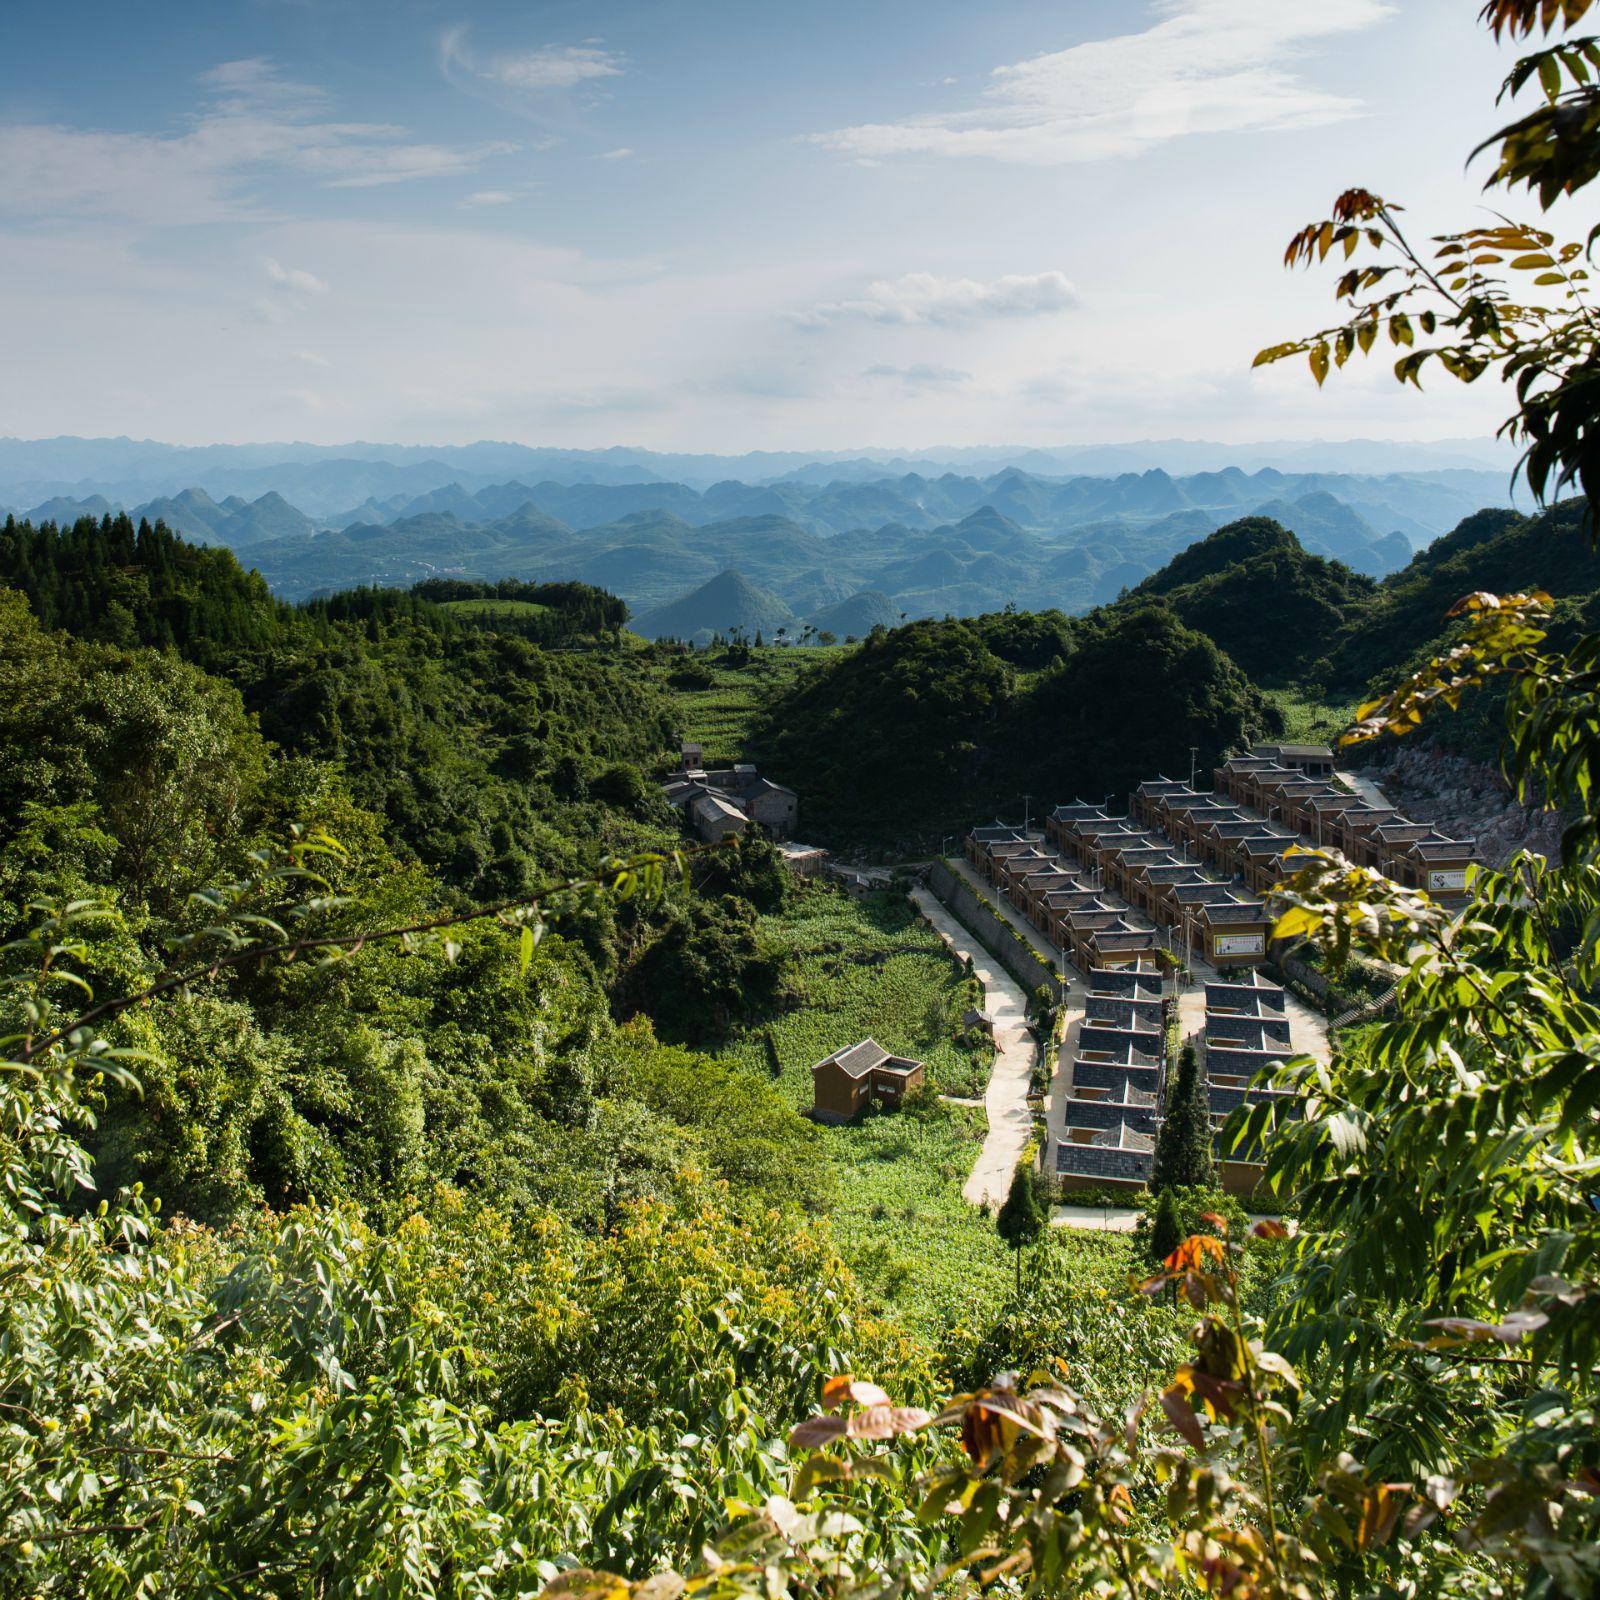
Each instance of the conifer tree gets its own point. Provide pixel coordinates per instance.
(1021, 1218)
(1183, 1147)
(1166, 1231)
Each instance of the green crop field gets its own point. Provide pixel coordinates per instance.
(859, 967)
(1309, 720)
(718, 716)
(496, 608)
(870, 967)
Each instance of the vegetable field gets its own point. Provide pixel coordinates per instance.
(860, 967)
(870, 967)
(719, 715)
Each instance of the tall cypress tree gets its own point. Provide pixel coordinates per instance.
(1183, 1147)
(1021, 1219)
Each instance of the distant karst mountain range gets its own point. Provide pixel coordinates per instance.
(837, 554)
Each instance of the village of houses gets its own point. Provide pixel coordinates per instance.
(1150, 926)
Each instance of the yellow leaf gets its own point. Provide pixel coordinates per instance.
(1296, 923)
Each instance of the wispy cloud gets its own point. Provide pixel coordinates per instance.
(621, 153)
(295, 278)
(920, 375)
(1209, 66)
(923, 297)
(524, 74)
(252, 124)
(488, 197)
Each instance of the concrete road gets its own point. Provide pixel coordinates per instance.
(1006, 1100)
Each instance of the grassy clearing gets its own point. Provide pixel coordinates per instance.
(1309, 720)
(496, 608)
(719, 715)
(924, 1255)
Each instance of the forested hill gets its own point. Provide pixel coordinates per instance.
(1255, 591)
(486, 754)
(934, 725)
(166, 720)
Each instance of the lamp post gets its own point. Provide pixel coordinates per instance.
(1194, 756)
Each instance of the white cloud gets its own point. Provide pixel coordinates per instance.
(518, 74)
(252, 124)
(923, 297)
(294, 278)
(920, 375)
(621, 153)
(1209, 66)
(488, 197)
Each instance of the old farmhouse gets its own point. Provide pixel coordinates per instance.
(730, 800)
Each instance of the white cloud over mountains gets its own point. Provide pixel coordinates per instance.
(1208, 66)
(924, 297)
(253, 124)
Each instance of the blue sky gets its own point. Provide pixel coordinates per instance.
(708, 224)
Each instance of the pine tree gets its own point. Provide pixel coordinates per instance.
(1166, 1232)
(1021, 1218)
(1183, 1147)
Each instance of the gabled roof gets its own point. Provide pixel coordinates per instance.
(857, 1060)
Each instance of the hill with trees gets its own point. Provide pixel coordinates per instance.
(1255, 591)
(933, 725)
(728, 603)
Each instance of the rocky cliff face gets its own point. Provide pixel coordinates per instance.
(1467, 800)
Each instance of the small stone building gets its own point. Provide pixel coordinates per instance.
(729, 800)
(845, 1083)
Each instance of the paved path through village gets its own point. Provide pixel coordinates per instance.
(1006, 1101)
(1365, 787)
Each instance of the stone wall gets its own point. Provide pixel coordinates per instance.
(992, 931)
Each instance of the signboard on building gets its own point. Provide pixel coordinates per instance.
(1448, 878)
(1238, 944)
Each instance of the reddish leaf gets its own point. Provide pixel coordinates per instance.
(1269, 1228)
(886, 1422)
(815, 1431)
(836, 1391)
(1220, 1223)
(1197, 1252)
(1515, 1326)
(1181, 1415)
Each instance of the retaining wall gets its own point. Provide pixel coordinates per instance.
(992, 931)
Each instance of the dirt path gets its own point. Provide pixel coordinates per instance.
(1006, 1100)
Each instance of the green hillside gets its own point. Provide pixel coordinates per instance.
(1253, 589)
(931, 727)
(729, 603)
(855, 615)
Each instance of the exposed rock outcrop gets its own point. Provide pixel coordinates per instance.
(1466, 799)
